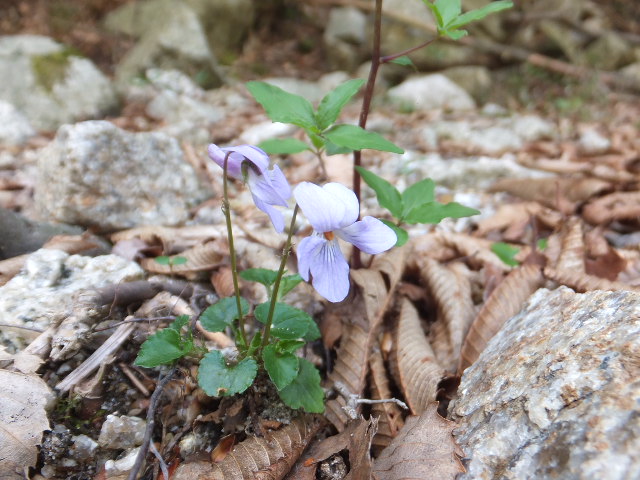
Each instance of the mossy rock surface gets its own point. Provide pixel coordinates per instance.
(52, 68)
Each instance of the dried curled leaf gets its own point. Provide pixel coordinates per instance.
(22, 420)
(364, 315)
(560, 193)
(505, 301)
(451, 290)
(171, 236)
(615, 206)
(389, 415)
(198, 259)
(512, 218)
(415, 366)
(572, 251)
(424, 449)
(257, 458)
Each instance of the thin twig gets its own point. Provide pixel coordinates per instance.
(134, 320)
(137, 383)
(161, 462)
(153, 403)
(368, 401)
(31, 329)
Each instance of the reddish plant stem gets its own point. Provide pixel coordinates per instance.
(356, 259)
(390, 58)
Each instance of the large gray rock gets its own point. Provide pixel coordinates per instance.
(95, 174)
(609, 52)
(344, 38)
(475, 80)
(428, 92)
(44, 290)
(170, 36)
(50, 84)
(555, 393)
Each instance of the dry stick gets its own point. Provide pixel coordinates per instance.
(137, 383)
(153, 403)
(506, 52)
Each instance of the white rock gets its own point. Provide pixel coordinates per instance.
(83, 447)
(119, 432)
(428, 92)
(122, 465)
(50, 84)
(554, 394)
(95, 174)
(15, 128)
(265, 131)
(45, 288)
(346, 24)
(592, 142)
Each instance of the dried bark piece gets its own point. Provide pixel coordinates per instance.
(416, 369)
(389, 415)
(364, 315)
(451, 290)
(424, 449)
(258, 458)
(615, 206)
(199, 258)
(505, 301)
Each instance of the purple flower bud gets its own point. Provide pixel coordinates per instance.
(268, 187)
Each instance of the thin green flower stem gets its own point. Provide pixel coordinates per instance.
(276, 285)
(323, 167)
(232, 251)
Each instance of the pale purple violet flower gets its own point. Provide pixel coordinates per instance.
(332, 211)
(251, 164)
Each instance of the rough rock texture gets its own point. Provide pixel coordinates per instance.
(15, 128)
(50, 84)
(427, 92)
(95, 174)
(344, 36)
(170, 37)
(43, 291)
(182, 105)
(122, 432)
(555, 393)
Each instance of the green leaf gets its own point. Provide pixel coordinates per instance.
(221, 315)
(283, 106)
(506, 253)
(333, 149)
(479, 13)
(163, 347)
(435, 212)
(388, 196)
(404, 61)
(288, 322)
(445, 11)
(418, 194)
(162, 260)
(283, 146)
(305, 390)
(288, 346)
(281, 367)
(356, 138)
(254, 344)
(313, 333)
(261, 275)
(288, 283)
(179, 322)
(401, 233)
(178, 261)
(334, 101)
(218, 379)
(542, 243)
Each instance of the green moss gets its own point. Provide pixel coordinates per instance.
(52, 68)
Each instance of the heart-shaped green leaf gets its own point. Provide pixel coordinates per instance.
(218, 379)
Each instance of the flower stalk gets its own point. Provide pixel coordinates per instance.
(276, 285)
(232, 251)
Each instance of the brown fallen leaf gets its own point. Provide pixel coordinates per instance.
(172, 238)
(451, 291)
(258, 458)
(23, 418)
(355, 439)
(425, 449)
(513, 218)
(222, 281)
(413, 363)
(505, 301)
(362, 318)
(198, 258)
(389, 415)
(615, 206)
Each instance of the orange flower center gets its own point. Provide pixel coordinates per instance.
(328, 235)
